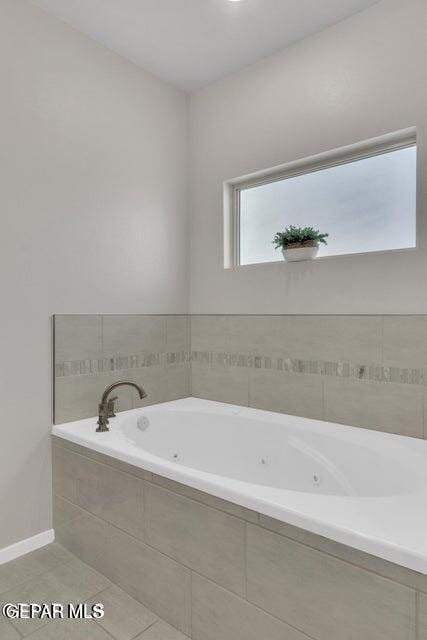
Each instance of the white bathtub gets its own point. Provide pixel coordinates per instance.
(362, 488)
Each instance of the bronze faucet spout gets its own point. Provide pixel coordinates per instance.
(106, 408)
(123, 383)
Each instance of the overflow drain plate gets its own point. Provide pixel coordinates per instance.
(142, 423)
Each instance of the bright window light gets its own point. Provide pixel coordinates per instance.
(366, 204)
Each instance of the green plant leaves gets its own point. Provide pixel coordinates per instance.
(293, 234)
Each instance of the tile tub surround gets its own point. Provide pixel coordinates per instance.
(92, 351)
(367, 371)
(214, 570)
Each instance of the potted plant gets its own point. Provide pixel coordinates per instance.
(299, 243)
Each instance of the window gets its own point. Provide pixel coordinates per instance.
(364, 198)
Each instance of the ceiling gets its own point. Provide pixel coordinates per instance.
(191, 43)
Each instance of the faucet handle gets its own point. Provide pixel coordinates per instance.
(103, 418)
(111, 408)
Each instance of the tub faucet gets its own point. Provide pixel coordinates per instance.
(106, 408)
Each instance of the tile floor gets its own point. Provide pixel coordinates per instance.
(53, 574)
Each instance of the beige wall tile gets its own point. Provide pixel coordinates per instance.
(220, 615)
(154, 380)
(81, 337)
(77, 337)
(207, 540)
(425, 410)
(178, 333)
(208, 333)
(390, 570)
(87, 537)
(259, 335)
(405, 341)
(64, 477)
(422, 617)
(78, 397)
(110, 494)
(63, 511)
(178, 380)
(395, 408)
(206, 498)
(160, 583)
(338, 338)
(297, 394)
(127, 335)
(101, 458)
(75, 398)
(237, 335)
(220, 382)
(326, 598)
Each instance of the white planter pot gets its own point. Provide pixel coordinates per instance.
(300, 253)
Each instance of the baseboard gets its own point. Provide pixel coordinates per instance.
(25, 546)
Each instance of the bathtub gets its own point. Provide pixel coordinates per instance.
(365, 489)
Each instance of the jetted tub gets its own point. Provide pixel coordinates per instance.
(362, 488)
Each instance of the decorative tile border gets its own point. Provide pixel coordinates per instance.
(338, 369)
(352, 370)
(119, 363)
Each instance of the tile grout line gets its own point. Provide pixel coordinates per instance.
(37, 575)
(247, 523)
(338, 558)
(246, 560)
(258, 608)
(416, 611)
(18, 631)
(139, 603)
(49, 621)
(382, 339)
(102, 336)
(208, 506)
(199, 501)
(150, 546)
(156, 484)
(424, 415)
(323, 400)
(189, 344)
(138, 633)
(101, 463)
(142, 633)
(191, 604)
(96, 596)
(144, 512)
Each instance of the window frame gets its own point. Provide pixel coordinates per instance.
(336, 157)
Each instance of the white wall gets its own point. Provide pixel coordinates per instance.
(361, 78)
(93, 177)
(93, 181)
